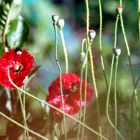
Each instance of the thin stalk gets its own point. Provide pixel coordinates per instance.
(80, 112)
(131, 70)
(115, 97)
(139, 17)
(20, 125)
(100, 42)
(92, 68)
(115, 79)
(132, 102)
(108, 96)
(81, 78)
(64, 49)
(44, 102)
(24, 116)
(60, 75)
(85, 99)
(110, 82)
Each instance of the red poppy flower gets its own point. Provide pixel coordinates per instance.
(20, 63)
(71, 94)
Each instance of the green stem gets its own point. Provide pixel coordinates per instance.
(139, 17)
(110, 82)
(85, 96)
(64, 49)
(60, 75)
(24, 116)
(107, 100)
(100, 42)
(132, 74)
(44, 102)
(92, 68)
(115, 97)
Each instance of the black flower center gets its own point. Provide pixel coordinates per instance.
(18, 68)
(73, 88)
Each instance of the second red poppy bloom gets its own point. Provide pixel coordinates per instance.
(71, 94)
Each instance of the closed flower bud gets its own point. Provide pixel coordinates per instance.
(91, 34)
(55, 18)
(61, 23)
(117, 51)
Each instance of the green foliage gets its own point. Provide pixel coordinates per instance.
(18, 32)
(9, 10)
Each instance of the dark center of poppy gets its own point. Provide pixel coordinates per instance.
(18, 68)
(73, 88)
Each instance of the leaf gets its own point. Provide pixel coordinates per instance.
(9, 10)
(18, 33)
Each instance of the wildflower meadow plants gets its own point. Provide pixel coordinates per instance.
(74, 106)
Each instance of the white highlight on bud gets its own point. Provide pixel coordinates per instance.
(91, 34)
(117, 51)
(55, 18)
(61, 23)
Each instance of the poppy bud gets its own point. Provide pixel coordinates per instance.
(55, 18)
(91, 34)
(117, 51)
(61, 23)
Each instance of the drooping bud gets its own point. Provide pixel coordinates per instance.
(55, 18)
(91, 34)
(117, 51)
(61, 23)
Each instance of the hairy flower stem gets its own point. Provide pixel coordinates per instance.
(100, 42)
(64, 49)
(132, 74)
(45, 103)
(92, 68)
(61, 86)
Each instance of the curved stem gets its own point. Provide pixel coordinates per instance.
(110, 82)
(132, 74)
(60, 75)
(92, 68)
(44, 102)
